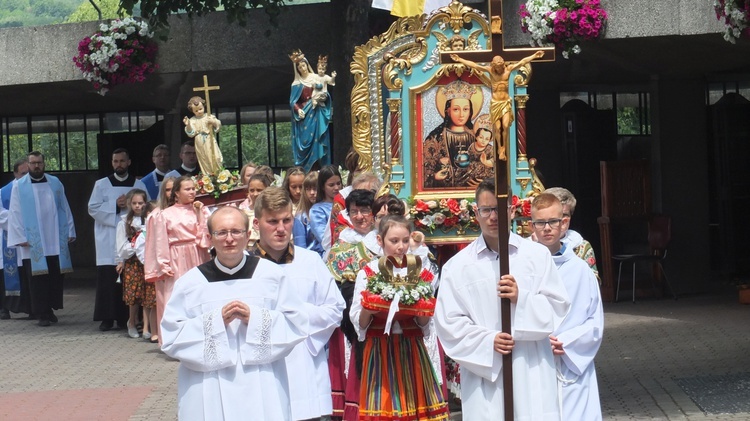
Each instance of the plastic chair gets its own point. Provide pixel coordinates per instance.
(659, 235)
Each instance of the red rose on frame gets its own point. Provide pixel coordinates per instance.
(451, 221)
(453, 206)
(421, 206)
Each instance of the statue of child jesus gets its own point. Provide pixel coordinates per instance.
(203, 128)
(320, 88)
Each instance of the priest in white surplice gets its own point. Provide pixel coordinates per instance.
(230, 322)
(40, 226)
(107, 206)
(576, 342)
(307, 364)
(467, 318)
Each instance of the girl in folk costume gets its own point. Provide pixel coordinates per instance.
(256, 184)
(130, 253)
(345, 259)
(391, 308)
(302, 231)
(150, 264)
(182, 240)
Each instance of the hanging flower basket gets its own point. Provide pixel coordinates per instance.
(564, 23)
(735, 15)
(120, 52)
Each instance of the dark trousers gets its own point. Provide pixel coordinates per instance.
(109, 306)
(46, 290)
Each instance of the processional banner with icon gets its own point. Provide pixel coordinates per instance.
(425, 125)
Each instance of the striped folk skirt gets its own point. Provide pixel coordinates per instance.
(398, 381)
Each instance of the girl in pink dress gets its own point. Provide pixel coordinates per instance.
(181, 239)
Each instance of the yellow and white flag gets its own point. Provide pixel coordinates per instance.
(401, 8)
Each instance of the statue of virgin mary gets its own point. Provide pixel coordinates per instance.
(311, 139)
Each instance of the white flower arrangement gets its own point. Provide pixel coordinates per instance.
(735, 16)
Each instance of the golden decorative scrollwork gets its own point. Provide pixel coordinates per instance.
(457, 15)
(536, 186)
(523, 77)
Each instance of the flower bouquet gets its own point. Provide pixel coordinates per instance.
(563, 23)
(417, 298)
(734, 14)
(444, 214)
(210, 188)
(121, 52)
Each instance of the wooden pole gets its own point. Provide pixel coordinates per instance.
(502, 191)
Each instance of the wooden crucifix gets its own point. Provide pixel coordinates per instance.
(502, 62)
(205, 89)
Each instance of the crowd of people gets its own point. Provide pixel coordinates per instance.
(264, 304)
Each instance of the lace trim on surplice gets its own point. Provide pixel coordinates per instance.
(211, 344)
(263, 350)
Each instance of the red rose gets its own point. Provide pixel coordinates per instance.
(421, 206)
(453, 206)
(526, 208)
(449, 222)
(515, 200)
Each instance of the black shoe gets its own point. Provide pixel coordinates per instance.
(43, 321)
(52, 317)
(106, 325)
(4, 314)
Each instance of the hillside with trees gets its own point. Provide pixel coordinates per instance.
(35, 12)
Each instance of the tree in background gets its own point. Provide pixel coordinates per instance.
(86, 12)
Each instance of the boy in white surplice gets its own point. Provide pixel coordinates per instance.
(230, 322)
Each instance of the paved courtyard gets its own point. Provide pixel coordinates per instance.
(660, 360)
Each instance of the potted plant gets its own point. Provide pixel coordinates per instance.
(734, 14)
(564, 23)
(119, 52)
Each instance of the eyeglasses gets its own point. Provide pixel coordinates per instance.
(224, 233)
(363, 212)
(486, 211)
(553, 223)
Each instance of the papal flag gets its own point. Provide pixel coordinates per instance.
(401, 8)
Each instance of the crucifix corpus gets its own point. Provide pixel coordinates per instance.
(203, 127)
(502, 62)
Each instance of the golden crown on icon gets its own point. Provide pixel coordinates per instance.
(459, 89)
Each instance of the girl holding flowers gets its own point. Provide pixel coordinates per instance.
(391, 308)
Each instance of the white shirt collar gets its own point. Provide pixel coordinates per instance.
(120, 178)
(188, 169)
(233, 270)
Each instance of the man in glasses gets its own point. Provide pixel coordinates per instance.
(230, 322)
(576, 341)
(307, 364)
(468, 319)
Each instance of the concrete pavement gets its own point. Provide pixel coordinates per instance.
(660, 360)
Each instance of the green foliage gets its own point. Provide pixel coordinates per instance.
(158, 11)
(86, 12)
(14, 13)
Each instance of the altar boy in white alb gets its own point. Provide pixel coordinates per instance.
(230, 322)
(467, 317)
(576, 341)
(307, 364)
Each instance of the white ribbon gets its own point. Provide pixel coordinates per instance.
(392, 312)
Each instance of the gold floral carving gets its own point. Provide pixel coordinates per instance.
(457, 15)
